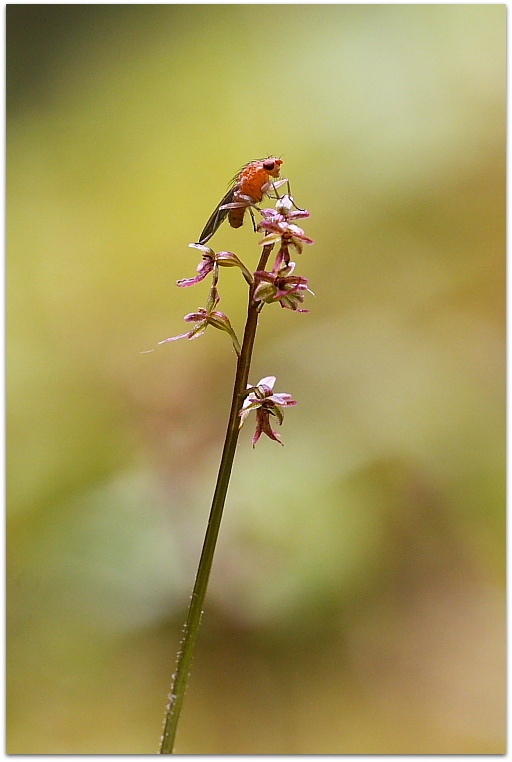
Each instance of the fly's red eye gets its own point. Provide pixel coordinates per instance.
(269, 165)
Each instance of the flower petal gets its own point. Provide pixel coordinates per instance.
(264, 275)
(267, 381)
(191, 281)
(253, 404)
(298, 213)
(259, 429)
(283, 399)
(197, 331)
(270, 238)
(194, 317)
(205, 249)
(267, 428)
(265, 292)
(303, 237)
(175, 338)
(278, 413)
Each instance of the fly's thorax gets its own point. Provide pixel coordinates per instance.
(254, 178)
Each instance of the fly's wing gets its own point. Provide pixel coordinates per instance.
(218, 216)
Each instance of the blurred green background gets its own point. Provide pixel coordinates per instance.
(357, 598)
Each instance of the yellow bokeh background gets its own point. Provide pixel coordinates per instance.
(356, 604)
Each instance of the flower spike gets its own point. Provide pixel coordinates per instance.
(280, 284)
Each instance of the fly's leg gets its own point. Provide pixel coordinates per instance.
(253, 220)
(276, 195)
(275, 186)
(291, 197)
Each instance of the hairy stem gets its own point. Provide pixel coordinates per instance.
(186, 652)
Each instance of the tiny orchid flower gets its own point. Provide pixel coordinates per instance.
(205, 317)
(211, 261)
(262, 399)
(286, 209)
(282, 287)
(276, 223)
(204, 267)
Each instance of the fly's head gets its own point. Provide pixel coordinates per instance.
(272, 166)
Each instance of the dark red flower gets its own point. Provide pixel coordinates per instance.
(278, 227)
(262, 399)
(282, 287)
(211, 262)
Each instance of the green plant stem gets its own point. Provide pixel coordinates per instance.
(186, 652)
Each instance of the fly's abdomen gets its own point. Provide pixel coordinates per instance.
(236, 217)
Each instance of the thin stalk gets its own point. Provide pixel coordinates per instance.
(186, 652)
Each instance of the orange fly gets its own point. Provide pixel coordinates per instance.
(248, 188)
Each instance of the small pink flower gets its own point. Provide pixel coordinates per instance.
(205, 317)
(285, 210)
(282, 287)
(276, 223)
(261, 399)
(203, 268)
(211, 262)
